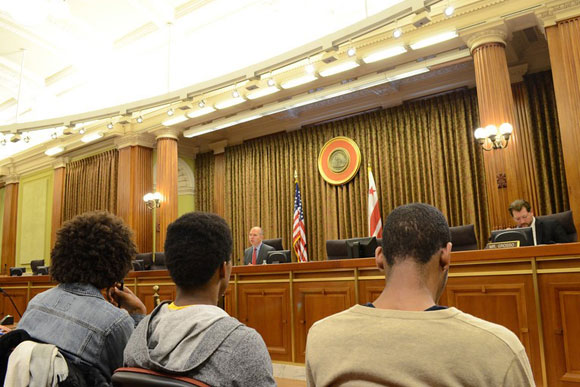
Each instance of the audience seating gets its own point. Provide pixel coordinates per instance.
(139, 377)
(566, 220)
(275, 243)
(463, 238)
(147, 259)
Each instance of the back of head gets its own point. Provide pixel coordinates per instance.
(95, 248)
(414, 231)
(196, 245)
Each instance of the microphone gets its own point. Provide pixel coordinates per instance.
(12, 301)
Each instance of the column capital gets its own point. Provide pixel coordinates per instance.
(496, 34)
(218, 146)
(11, 179)
(558, 10)
(60, 162)
(167, 133)
(145, 140)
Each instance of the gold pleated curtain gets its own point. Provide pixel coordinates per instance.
(537, 117)
(420, 152)
(204, 187)
(91, 184)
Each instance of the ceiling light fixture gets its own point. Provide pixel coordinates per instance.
(201, 112)
(298, 81)
(434, 40)
(229, 102)
(397, 33)
(92, 137)
(384, 54)
(407, 74)
(170, 112)
(139, 119)
(82, 130)
(26, 138)
(262, 92)
(339, 68)
(54, 150)
(351, 51)
(449, 9)
(235, 93)
(309, 67)
(110, 125)
(271, 82)
(3, 141)
(175, 120)
(54, 135)
(201, 104)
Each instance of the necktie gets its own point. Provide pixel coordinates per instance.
(254, 256)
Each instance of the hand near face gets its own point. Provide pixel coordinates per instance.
(125, 299)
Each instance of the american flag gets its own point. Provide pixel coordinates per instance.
(374, 214)
(299, 233)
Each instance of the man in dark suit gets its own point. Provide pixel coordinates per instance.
(545, 231)
(257, 253)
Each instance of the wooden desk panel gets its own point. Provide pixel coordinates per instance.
(534, 291)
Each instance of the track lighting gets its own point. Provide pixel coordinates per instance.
(110, 125)
(53, 135)
(82, 131)
(201, 104)
(170, 112)
(139, 119)
(26, 138)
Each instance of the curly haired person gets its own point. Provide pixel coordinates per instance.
(93, 252)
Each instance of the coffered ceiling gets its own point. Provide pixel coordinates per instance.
(114, 61)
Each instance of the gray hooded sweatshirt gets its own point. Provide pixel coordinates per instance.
(201, 342)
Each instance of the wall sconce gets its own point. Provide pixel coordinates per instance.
(153, 201)
(492, 137)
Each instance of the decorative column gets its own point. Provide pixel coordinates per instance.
(508, 176)
(167, 155)
(57, 197)
(10, 223)
(219, 176)
(564, 45)
(135, 179)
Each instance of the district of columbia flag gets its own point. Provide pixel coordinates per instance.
(299, 231)
(375, 222)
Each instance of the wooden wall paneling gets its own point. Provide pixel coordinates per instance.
(9, 227)
(370, 290)
(507, 300)
(496, 106)
(219, 199)
(19, 295)
(314, 301)
(266, 308)
(145, 292)
(564, 46)
(560, 298)
(229, 302)
(57, 202)
(135, 180)
(166, 184)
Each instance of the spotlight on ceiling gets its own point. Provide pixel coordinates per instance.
(3, 142)
(201, 104)
(310, 68)
(170, 112)
(26, 138)
(139, 119)
(449, 10)
(15, 137)
(235, 94)
(351, 51)
(110, 125)
(53, 135)
(397, 33)
(82, 131)
(271, 82)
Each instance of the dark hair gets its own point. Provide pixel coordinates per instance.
(94, 248)
(416, 231)
(195, 246)
(517, 205)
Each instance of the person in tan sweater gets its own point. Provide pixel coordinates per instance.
(404, 338)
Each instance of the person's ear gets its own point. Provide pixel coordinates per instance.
(380, 258)
(445, 257)
(223, 270)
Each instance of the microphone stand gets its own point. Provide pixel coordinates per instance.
(15, 308)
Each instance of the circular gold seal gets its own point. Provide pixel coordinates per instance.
(339, 160)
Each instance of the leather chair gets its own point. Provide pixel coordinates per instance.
(148, 264)
(336, 249)
(566, 220)
(140, 377)
(463, 238)
(275, 243)
(35, 264)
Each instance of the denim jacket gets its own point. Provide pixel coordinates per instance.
(86, 328)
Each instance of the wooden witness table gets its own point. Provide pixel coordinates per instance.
(533, 291)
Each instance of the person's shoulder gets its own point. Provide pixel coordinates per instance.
(491, 331)
(268, 247)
